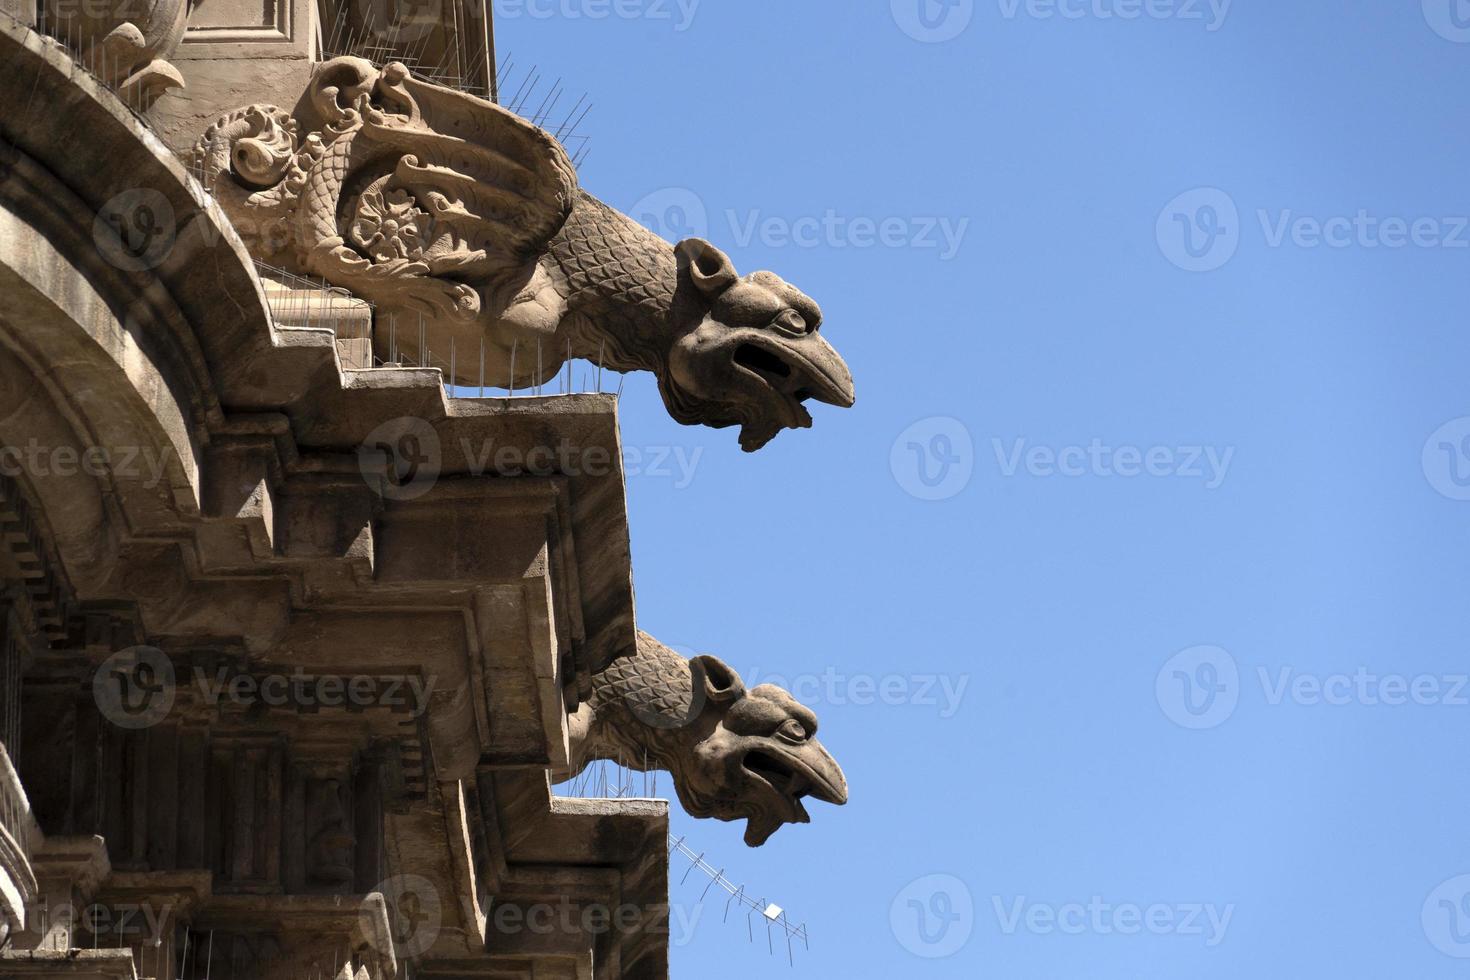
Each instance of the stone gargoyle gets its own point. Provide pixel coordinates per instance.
(460, 217)
(733, 753)
(126, 45)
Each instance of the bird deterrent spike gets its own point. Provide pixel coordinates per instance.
(562, 129)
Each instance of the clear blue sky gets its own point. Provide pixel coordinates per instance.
(1319, 541)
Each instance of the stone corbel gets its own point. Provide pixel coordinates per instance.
(69, 872)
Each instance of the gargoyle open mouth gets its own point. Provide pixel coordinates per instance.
(790, 779)
(795, 371)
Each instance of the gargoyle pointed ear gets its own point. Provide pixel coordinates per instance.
(721, 683)
(709, 269)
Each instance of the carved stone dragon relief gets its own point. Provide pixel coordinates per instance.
(733, 753)
(448, 210)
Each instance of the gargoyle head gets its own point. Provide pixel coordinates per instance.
(746, 350)
(755, 756)
(733, 753)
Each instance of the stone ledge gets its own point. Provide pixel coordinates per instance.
(91, 964)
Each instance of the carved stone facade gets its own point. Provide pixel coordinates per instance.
(286, 669)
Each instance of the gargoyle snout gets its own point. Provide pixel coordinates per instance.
(830, 785)
(823, 374)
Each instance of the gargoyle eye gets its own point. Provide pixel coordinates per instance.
(791, 322)
(791, 730)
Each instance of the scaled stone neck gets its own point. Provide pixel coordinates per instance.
(620, 280)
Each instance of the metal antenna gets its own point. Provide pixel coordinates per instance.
(592, 782)
(772, 913)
